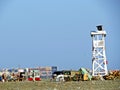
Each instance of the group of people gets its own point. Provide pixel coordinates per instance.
(11, 77)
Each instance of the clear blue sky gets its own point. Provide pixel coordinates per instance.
(57, 32)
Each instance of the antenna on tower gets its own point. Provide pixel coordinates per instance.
(99, 62)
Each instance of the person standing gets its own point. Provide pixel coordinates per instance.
(3, 77)
(33, 75)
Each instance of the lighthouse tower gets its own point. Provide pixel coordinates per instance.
(99, 62)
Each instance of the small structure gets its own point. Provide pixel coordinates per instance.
(85, 73)
(34, 75)
(99, 62)
(46, 72)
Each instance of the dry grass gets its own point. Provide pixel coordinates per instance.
(47, 85)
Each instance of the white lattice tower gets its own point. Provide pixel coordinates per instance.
(99, 62)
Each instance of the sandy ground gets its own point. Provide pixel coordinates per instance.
(47, 85)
